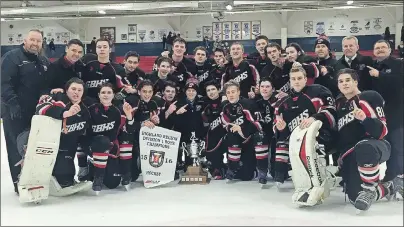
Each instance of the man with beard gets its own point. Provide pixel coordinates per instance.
(184, 68)
(22, 78)
(387, 80)
(66, 67)
(241, 72)
(215, 132)
(324, 59)
(259, 58)
(354, 60)
(160, 77)
(98, 70)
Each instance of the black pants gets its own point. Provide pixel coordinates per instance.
(108, 163)
(240, 151)
(64, 169)
(215, 155)
(12, 128)
(395, 163)
(367, 153)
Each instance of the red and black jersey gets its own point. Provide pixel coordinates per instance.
(258, 61)
(159, 83)
(245, 74)
(73, 127)
(351, 130)
(108, 121)
(313, 101)
(144, 110)
(265, 113)
(95, 73)
(183, 71)
(241, 113)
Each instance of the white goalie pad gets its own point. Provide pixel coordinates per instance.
(40, 158)
(308, 168)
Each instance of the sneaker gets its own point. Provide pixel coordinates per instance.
(126, 178)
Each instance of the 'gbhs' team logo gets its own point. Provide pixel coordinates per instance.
(156, 158)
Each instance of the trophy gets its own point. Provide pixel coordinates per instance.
(195, 174)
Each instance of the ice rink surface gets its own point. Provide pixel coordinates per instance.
(238, 204)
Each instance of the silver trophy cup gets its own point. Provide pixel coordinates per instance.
(194, 149)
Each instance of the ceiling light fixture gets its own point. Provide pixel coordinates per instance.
(2, 19)
(101, 12)
(349, 2)
(229, 7)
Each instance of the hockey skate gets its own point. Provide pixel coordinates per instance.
(365, 199)
(262, 179)
(395, 186)
(57, 190)
(98, 182)
(83, 174)
(126, 179)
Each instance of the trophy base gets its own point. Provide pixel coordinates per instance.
(195, 175)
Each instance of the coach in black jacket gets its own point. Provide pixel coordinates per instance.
(22, 76)
(353, 60)
(387, 79)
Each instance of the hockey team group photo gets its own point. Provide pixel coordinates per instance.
(315, 120)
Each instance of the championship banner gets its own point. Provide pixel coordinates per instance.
(158, 155)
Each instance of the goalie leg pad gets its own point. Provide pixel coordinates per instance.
(308, 168)
(56, 190)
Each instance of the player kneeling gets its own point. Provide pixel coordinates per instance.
(362, 128)
(295, 114)
(108, 142)
(45, 132)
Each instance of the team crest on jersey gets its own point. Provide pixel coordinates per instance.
(198, 107)
(156, 158)
(45, 68)
(362, 66)
(239, 111)
(388, 70)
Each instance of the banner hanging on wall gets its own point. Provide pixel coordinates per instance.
(217, 31)
(236, 30)
(256, 28)
(132, 33)
(246, 30)
(226, 30)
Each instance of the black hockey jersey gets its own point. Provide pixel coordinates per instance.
(159, 83)
(313, 101)
(183, 71)
(73, 127)
(351, 130)
(95, 73)
(191, 120)
(144, 110)
(108, 121)
(258, 61)
(265, 113)
(212, 121)
(245, 73)
(240, 113)
(279, 77)
(166, 121)
(203, 74)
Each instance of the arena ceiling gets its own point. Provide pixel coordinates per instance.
(17, 10)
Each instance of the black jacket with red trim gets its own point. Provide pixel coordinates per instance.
(73, 127)
(352, 130)
(241, 113)
(245, 74)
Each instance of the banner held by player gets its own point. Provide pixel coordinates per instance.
(158, 155)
